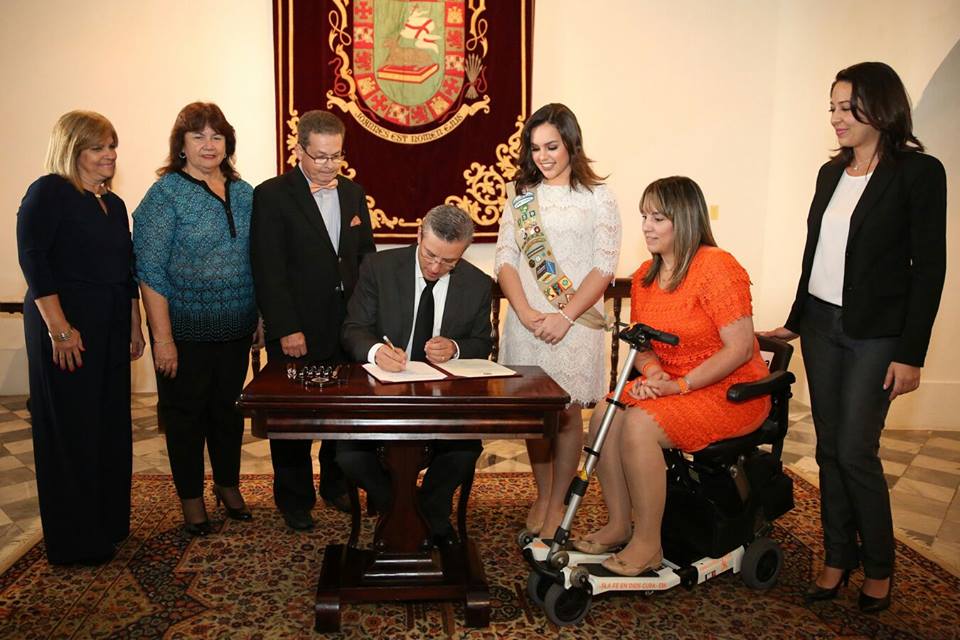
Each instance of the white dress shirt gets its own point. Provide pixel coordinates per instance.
(328, 201)
(439, 300)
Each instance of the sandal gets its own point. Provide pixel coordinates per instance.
(615, 565)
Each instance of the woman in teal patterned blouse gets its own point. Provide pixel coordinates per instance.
(191, 241)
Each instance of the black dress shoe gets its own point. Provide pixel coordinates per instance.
(298, 519)
(198, 529)
(241, 513)
(340, 503)
(444, 540)
(869, 604)
(817, 593)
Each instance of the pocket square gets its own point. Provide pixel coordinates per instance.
(355, 222)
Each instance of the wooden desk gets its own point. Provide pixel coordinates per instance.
(402, 565)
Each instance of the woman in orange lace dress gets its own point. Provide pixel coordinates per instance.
(700, 293)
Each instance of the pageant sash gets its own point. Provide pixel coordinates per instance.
(535, 248)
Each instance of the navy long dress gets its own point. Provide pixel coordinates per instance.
(81, 420)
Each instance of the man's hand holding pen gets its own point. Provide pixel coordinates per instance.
(390, 358)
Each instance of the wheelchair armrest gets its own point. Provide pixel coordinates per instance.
(776, 382)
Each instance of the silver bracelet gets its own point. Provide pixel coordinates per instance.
(566, 317)
(63, 336)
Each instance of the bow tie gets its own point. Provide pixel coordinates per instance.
(317, 187)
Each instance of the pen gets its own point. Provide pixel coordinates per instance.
(390, 344)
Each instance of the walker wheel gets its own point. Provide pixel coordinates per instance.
(559, 560)
(537, 586)
(761, 564)
(566, 607)
(580, 577)
(524, 538)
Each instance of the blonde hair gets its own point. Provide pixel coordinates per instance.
(75, 132)
(681, 201)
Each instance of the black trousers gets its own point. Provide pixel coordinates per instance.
(452, 463)
(849, 407)
(197, 408)
(292, 467)
(80, 422)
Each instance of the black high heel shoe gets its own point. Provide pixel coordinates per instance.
(869, 604)
(817, 593)
(241, 513)
(193, 509)
(198, 529)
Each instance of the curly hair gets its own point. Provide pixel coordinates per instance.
(561, 117)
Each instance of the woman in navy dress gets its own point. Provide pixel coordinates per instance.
(82, 328)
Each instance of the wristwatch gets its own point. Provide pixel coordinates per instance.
(63, 336)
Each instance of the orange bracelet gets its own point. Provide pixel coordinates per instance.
(684, 384)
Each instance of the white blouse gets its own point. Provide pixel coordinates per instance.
(826, 275)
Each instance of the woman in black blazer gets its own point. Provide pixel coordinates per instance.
(873, 271)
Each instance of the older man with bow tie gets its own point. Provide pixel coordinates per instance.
(309, 233)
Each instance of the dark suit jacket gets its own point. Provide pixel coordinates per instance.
(295, 270)
(896, 252)
(382, 305)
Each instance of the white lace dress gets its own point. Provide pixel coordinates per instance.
(583, 228)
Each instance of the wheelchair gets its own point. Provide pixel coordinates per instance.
(720, 503)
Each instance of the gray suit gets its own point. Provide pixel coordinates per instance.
(382, 305)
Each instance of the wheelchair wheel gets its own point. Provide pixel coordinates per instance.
(566, 607)
(761, 564)
(537, 586)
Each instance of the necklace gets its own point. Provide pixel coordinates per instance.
(856, 165)
(98, 191)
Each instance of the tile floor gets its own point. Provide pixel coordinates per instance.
(922, 469)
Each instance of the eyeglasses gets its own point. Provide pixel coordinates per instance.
(322, 159)
(432, 258)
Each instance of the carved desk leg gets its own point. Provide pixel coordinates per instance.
(403, 529)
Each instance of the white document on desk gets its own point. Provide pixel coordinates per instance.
(476, 368)
(415, 372)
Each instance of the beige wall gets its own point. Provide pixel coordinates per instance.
(731, 93)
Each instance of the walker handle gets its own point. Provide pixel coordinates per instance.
(639, 332)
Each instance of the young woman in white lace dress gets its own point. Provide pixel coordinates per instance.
(578, 214)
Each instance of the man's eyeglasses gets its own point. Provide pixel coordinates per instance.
(322, 159)
(431, 258)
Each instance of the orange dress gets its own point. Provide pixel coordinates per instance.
(715, 293)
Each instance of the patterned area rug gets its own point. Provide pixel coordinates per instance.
(257, 579)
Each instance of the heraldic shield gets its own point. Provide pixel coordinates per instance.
(436, 90)
(409, 62)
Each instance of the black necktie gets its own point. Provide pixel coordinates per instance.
(423, 325)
